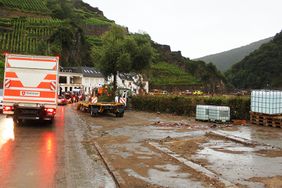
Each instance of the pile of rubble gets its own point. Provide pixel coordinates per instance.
(190, 125)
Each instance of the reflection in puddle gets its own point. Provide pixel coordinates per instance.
(265, 135)
(241, 166)
(48, 159)
(6, 131)
(6, 148)
(138, 134)
(166, 176)
(131, 149)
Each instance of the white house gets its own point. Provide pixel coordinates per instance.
(86, 78)
(131, 81)
(68, 81)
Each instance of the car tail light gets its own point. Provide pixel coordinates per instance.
(8, 108)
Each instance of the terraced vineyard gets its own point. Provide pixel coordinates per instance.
(170, 75)
(28, 5)
(25, 35)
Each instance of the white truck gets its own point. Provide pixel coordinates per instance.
(30, 87)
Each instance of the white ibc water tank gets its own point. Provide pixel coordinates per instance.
(202, 112)
(266, 102)
(213, 113)
(219, 113)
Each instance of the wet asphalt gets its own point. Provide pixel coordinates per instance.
(43, 155)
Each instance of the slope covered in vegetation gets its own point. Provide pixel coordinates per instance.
(224, 60)
(74, 30)
(27, 35)
(26, 5)
(261, 69)
(165, 74)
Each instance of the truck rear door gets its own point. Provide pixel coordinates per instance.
(30, 80)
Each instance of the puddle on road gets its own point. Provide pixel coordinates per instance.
(238, 163)
(266, 135)
(166, 176)
(138, 134)
(131, 149)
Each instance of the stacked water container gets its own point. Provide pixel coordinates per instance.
(213, 113)
(219, 113)
(202, 112)
(266, 102)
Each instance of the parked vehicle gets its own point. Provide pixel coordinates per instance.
(30, 87)
(198, 92)
(98, 103)
(102, 107)
(1, 100)
(68, 97)
(62, 100)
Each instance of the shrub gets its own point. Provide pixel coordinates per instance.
(182, 105)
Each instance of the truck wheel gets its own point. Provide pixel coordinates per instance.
(93, 114)
(119, 114)
(17, 121)
(50, 121)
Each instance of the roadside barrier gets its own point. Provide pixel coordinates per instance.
(123, 100)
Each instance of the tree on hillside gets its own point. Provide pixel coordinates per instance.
(61, 9)
(70, 44)
(261, 69)
(212, 79)
(121, 52)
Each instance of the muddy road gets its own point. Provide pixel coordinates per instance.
(139, 150)
(160, 150)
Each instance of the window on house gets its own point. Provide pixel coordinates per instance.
(62, 79)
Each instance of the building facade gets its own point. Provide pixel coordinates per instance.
(80, 78)
(132, 81)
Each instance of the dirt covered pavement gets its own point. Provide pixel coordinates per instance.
(160, 150)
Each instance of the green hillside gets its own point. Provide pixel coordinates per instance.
(51, 27)
(261, 69)
(170, 75)
(204, 76)
(224, 60)
(26, 35)
(26, 5)
(74, 30)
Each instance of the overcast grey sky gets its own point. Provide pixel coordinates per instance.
(197, 27)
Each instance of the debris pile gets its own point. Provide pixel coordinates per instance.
(190, 125)
(180, 125)
(220, 126)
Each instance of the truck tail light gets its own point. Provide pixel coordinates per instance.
(50, 110)
(8, 108)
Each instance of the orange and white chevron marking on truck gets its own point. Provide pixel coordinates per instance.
(30, 87)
